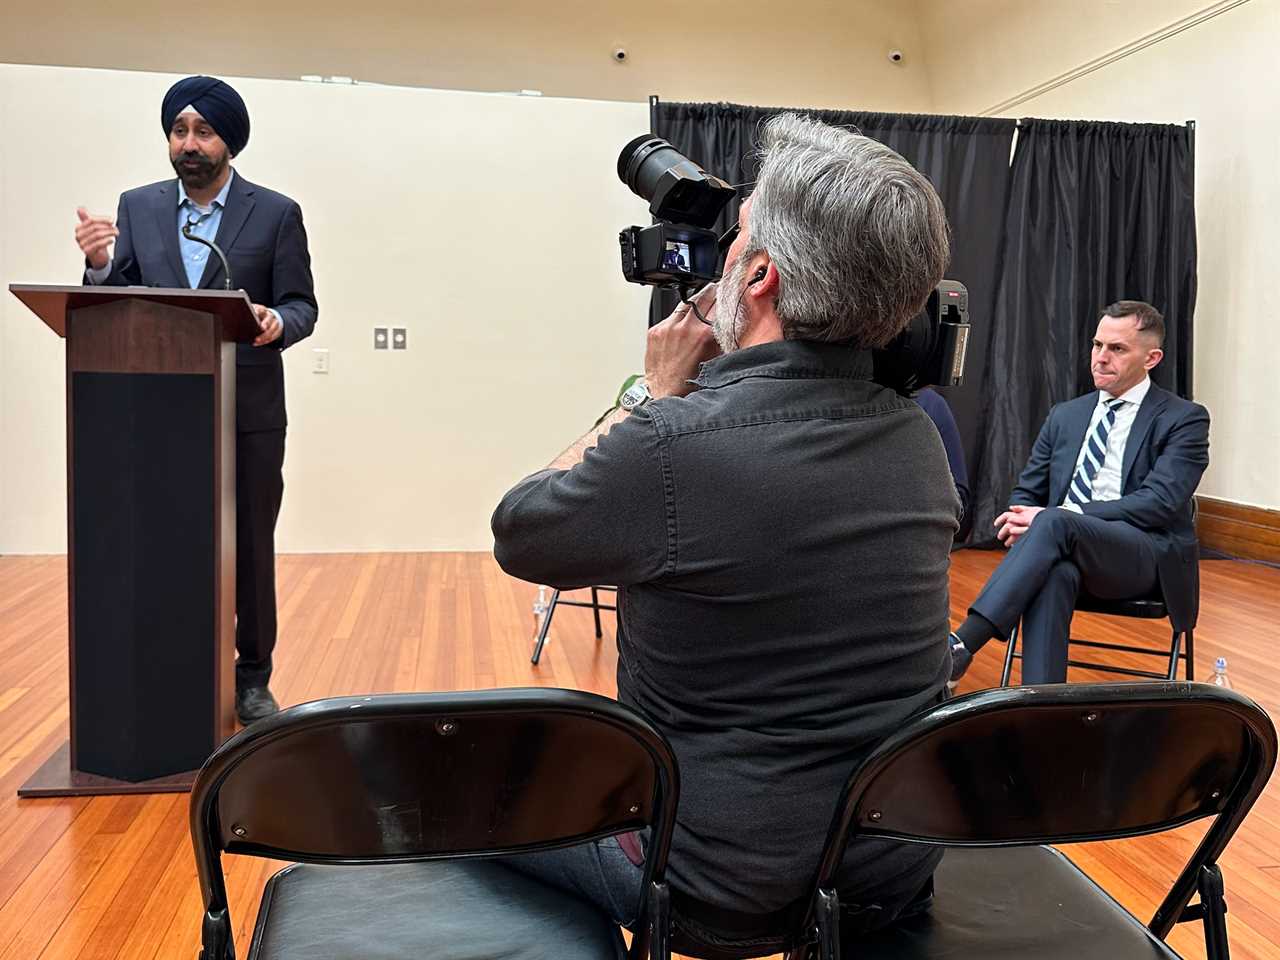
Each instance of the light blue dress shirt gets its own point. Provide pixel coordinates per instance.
(195, 256)
(204, 223)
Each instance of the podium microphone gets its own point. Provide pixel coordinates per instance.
(226, 267)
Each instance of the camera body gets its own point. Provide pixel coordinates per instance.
(682, 252)
(670, 254)
(931, 351)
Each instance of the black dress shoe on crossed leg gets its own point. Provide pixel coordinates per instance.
(254, 703)
(960, 660)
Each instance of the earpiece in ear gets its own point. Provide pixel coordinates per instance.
(760, 275)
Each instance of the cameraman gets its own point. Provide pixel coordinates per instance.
(778, 527)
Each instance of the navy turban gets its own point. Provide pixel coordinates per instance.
(216, 101)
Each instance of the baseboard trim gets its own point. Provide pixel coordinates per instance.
(1238, 530)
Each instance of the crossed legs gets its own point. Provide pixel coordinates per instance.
(1043, 573)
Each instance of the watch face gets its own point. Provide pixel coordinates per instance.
(635, 395)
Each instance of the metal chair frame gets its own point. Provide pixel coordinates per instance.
(595, 605)
(1063, 709)
(342, 726)
(1144, 609)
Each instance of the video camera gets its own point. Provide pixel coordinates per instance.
(683, 252)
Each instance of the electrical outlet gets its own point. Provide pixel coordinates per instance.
(379, 338)
(399, 338)
(320, 360)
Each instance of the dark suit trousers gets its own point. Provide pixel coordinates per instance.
(1043, 573)
(259, 490)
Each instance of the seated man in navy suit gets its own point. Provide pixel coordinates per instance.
(1104, 504)
(266, 246)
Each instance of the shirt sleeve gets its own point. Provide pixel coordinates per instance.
(608, 520)
(97, 275)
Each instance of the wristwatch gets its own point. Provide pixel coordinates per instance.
(636, 395)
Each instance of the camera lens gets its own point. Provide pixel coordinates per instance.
(677, 188)
(643, 161)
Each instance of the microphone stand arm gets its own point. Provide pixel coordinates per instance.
(226, 267)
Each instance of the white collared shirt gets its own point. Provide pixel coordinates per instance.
(1107, 484)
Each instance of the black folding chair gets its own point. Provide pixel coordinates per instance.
(994, 775)
(595, 605)
(1181, 644)
(398, 783)
(998, 773)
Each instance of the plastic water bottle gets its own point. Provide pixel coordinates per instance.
(1220, 673)
(540, 606)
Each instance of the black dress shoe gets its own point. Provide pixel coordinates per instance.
(960, 660)
(254, 703)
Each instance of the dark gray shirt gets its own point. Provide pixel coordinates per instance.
(780, 539)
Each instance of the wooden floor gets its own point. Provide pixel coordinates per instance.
(114, 876)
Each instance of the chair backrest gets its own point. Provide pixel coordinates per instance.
(1062, 763)
(399, 777)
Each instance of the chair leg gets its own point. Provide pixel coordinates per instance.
(1191, 655)
(546, 626)
(1214, 906)
(595, 608)
(1008, 656)
(1175, 652)
(215, 936)
(828, 917)
(660, 922)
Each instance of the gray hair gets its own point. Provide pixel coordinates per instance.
(858, 235)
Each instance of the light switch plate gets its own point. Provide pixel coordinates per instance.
(399, 338)
(379, 338)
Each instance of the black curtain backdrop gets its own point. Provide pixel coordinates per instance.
(966, 158)
(1097, 212)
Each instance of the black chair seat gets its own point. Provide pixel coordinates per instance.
(1147, 608)
(1014, 902)
(443, 910)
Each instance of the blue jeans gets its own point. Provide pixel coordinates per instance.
(598, 872)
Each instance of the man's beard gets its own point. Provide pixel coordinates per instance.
(730, 315)
(203, 174)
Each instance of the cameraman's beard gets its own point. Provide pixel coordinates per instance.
(730, 316)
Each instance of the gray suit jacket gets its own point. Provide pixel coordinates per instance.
(1164, 458)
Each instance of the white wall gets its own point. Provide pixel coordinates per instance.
(1221, 73)
(485, 224)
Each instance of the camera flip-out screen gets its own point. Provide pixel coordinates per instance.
(676, 256)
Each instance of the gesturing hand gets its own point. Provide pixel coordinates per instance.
(677, 346)
(94, 235)
(1014, 522)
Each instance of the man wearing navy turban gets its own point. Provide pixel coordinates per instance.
(261, 233)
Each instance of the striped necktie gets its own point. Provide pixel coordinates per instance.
(1095, 452)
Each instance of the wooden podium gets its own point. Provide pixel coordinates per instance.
(150, 532)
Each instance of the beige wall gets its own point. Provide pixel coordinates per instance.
(983, 52)
(399, 451)
(453, 227)
(805, 53)
(1222, 73)
(410, 451)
